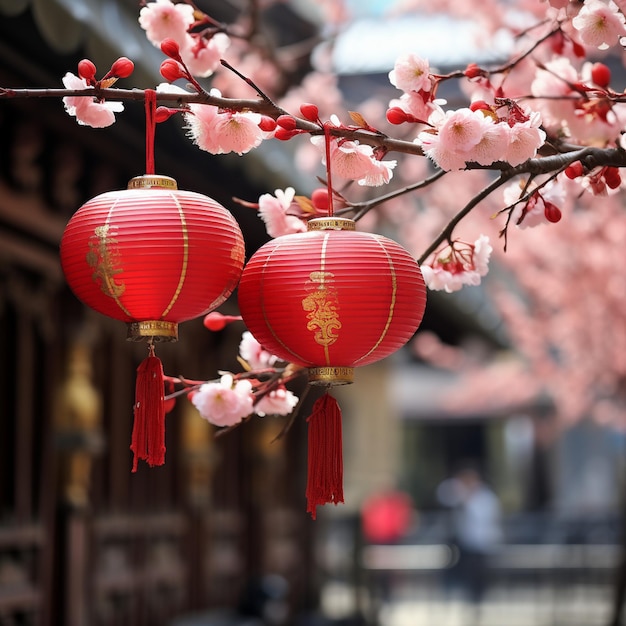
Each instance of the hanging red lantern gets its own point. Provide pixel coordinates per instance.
(152, 256)
(330, 300)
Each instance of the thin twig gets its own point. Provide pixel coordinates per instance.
(446, 233)
(364, 207)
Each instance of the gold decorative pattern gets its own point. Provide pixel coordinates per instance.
(159, 329)
(152, 180)
(331, 223)
(322, 304)
(103, 257)
(331, 375)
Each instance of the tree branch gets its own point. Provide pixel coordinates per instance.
(446, 233)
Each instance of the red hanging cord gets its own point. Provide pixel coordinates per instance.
(329, 182)
(150, 103)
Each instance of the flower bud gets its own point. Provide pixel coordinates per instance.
(87, 70)
(284, 135)
(170, 48)
(578, 49)
(473, 71)
(480, 104)
(396, 116)
(319, 198)
(553, 213)
(122, 68)
(267, 124)
(601, 75)
(612, 177)
(287, 122)
(310, 112)
(574, 170)
(162, 114)
(216, 321)
(172, 70)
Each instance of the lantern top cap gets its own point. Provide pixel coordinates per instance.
(152, 180)
(331, 223)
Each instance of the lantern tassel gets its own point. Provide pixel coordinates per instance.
(325, 455)
(148, 438)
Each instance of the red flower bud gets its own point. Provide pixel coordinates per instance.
(216, 321)
(574, 170)
(600, 75)
(396, 115)
(480, 105)
(170, 48)
(122, 68)
(473, 71)
(553, 213)
(612, 177)
(267, 124)
(172, 70)
(163, 114)
(284, 135)
(579, 50)
(319, 198)
(310, 112)
(87, 70)
(287, 122)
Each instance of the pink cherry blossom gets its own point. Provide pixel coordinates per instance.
(380, 173)
(599, 24)
(416, 105)
(251, 351)
(525, 138)
(223, 132)
(493, 143)
(201, 56)
(88, 111)
(356, 161)
(458, 133)
(224, 403)
(461, 130)
(274, 211)
(457, 265)
(236, 132)
(163, 19)
(350, 159)
(446, 159)
(277, 402)
(411, 73)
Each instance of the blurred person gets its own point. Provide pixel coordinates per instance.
(476, 527)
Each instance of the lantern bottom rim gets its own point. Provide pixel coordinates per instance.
(159, 330)
(331, 375)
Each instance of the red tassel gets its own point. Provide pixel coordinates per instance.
(325, 465)
(148, 439)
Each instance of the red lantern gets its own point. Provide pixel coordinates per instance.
(152, 256)
(331, 299)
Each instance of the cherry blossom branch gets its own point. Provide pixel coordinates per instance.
(615, 157)
(589, 157)
(446, 233)
(362, 208)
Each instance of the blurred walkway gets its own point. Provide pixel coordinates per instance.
(425, 605)
(572, 606)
